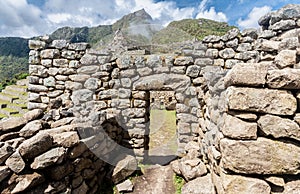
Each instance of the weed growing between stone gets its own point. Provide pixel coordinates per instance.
(178, 182)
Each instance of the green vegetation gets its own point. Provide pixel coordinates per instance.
(162, 128)
(14, 46)
(139, 29)
(71, 34)
(10, 80)
(96, 34)
(13, 60)
(91, 35)
(178, 183)
(2, 116)
(199, 28)
(170, 35)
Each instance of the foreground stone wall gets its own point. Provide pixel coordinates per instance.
(236, 108)
(42, 154)
(251, 124)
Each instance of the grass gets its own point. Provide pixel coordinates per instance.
(2, 116)
(23, 106)
(16, 115)
(178, 183)
(142, 167)
(10, 110)
(162, 128)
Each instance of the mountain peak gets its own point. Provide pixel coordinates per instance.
(136, 18)
(142, 14)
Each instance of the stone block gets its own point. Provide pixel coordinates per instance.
(279, 127)
(193, 71)
(81, 46)
(286, 58)
(261, 156)
(182, 61)
(124, 167)
(240, 184)
(267, 45)
(36, 145)
(88, 69)
(38, 70)
(203, 62)
(27, 181)
(36, 44)
(278, 102)
(50, 53)
(200, 185)
(15, 162)
(124, 62)
(79, 77)
(292, 187)
(31, 128)
(284, 79)
(247, 74)
(53, 156)
(59, 44)
(62, 63)
(66, 139)
(283, 25)
(227, 53)
(238, 129)
(46, 62)
(68, 54)
(92, 83)
(49, 82)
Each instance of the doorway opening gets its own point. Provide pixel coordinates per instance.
(162, 129)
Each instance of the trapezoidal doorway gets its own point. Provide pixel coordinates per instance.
(162, 132)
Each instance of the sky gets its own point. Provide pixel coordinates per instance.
(28, 18)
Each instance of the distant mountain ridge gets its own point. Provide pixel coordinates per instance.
(137, 28)
(14, 46)
(100, 33)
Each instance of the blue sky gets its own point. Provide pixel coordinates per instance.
(27, 18)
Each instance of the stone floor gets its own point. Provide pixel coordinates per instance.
(155, 180)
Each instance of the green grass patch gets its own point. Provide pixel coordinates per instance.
(162, 128)
(11, 91)
(10, 110)
(16, 115)
(2, 116)
(142, 168)
(23, 106)
(178, 183)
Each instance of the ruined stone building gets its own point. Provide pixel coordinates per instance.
(236, 99)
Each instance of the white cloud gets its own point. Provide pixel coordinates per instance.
(210, 13)
(19, 18)
(252, 19)
(94, 12)
(213, 15)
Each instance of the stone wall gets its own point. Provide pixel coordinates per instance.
(92, 115)
(251, 112)
(98, 86)
(236, 110)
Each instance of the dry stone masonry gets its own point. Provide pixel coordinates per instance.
(236, 99)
